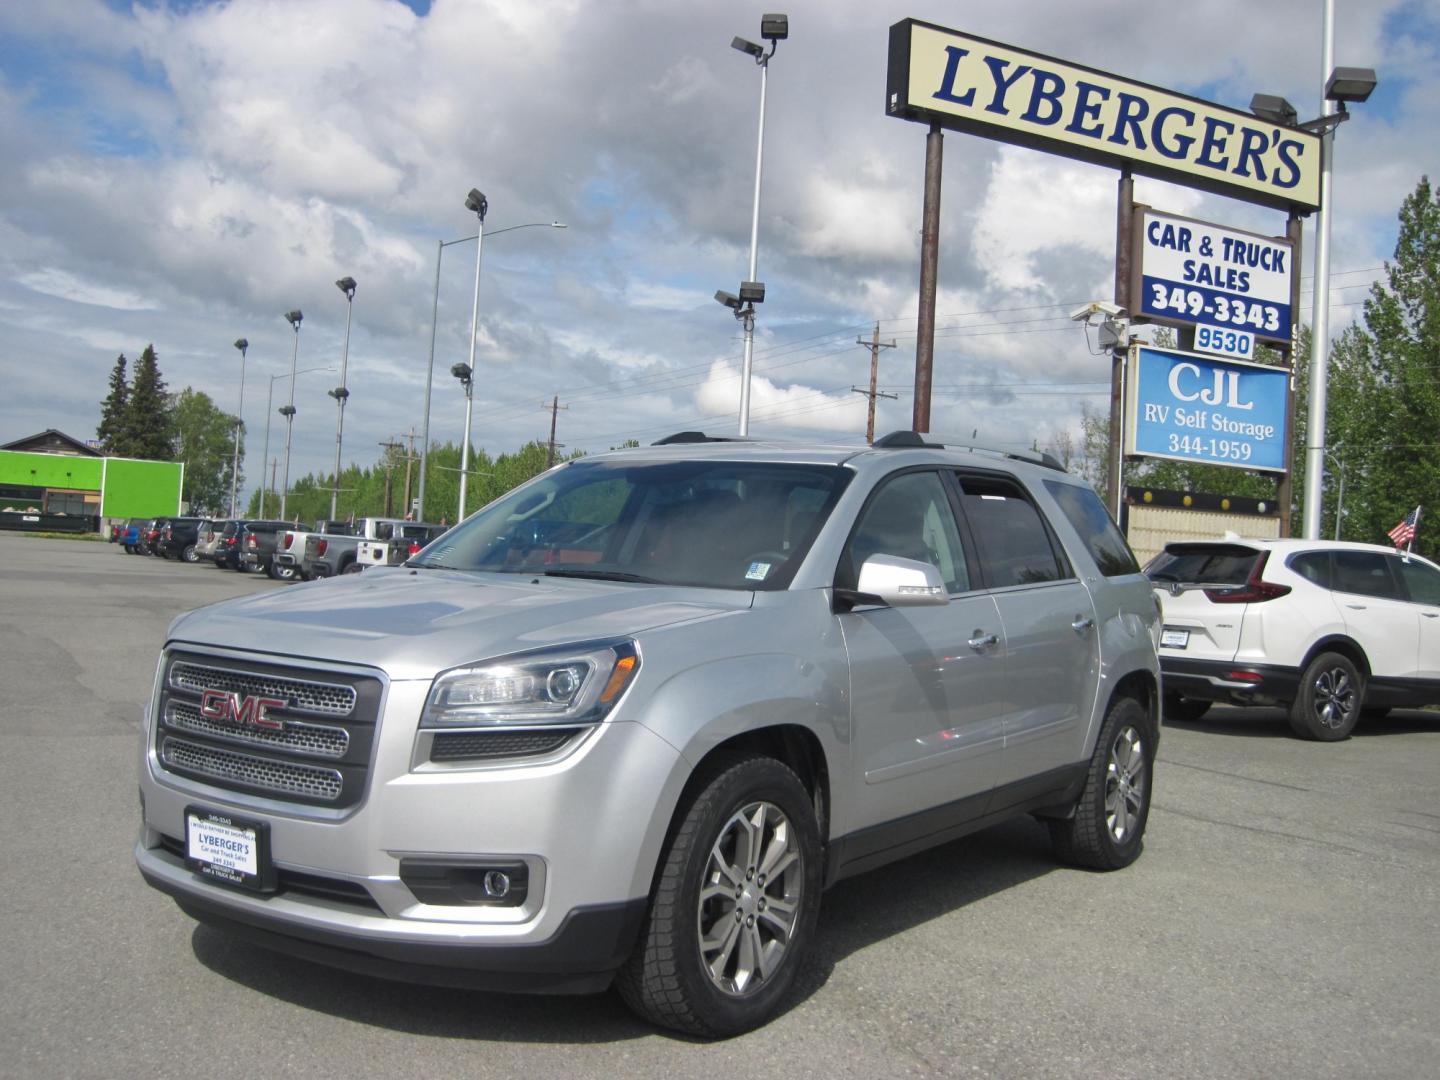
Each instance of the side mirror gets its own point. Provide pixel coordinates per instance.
(902, 582)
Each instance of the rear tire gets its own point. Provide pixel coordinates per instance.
(282, 573)
(1328, 703)
(189, 554)
(734, 904)
(1107, 830)
(352, 568)
(1185, 710)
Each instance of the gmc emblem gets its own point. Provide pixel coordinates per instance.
(247, 711)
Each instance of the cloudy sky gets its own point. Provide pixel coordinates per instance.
(183, 173)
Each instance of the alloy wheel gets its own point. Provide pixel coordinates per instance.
(1125, 782)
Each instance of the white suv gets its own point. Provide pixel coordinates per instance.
(1331, 630)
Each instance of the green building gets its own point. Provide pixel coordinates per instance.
(52, 482)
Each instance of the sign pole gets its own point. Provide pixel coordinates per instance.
(1124, 224)
(929, 263)
(1285, 489)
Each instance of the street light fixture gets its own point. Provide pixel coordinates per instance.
(294, 318)
(340, 393)
(774, 29)
(466, 374)
(1344, 85)
(242, 345)
(440, 247)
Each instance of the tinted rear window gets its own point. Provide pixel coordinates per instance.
(1207, 564)
(1087, 514)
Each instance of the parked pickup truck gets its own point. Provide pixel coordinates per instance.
(288, 563)
(334, 553)
(406, 540)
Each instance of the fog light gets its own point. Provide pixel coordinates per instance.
(497, 885)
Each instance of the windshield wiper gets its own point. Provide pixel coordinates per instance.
(604, 575)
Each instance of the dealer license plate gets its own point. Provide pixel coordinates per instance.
(1174, 639)
(230, 850)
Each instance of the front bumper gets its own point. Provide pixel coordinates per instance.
(588, 824)
(1229, 681)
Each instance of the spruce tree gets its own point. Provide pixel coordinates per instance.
(113, 412)
(148, 414)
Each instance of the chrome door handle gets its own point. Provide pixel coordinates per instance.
(1082, 623)
(1431, 614)
(983, 641)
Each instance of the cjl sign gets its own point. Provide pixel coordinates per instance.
(1187, 407)
(1192, 273)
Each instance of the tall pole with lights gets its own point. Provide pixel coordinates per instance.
(466, 374)
(774, 29)
(478, 205)
(341, 394)
(242, 345)
(294, 318)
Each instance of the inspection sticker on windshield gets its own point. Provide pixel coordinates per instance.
(758, 571)
(1174, 639)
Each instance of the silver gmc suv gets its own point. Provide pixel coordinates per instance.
(626, 723)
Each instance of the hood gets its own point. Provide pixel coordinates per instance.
(414, 623)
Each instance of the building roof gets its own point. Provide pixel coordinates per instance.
(52, 441)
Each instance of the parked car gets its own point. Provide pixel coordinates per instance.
(208, 536)
(289, 563)
(1332, 631)
(179, 537)
(406, 539)
(257, 545)
(131, 535)
(226, 551)
(628, 722)
(329, 554)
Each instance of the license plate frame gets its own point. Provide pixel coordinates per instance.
(1171, 638)
(229, 850)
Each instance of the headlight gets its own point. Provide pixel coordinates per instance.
(577, 685)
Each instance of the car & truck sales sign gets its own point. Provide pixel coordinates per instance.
(1206, 410)
(1233, 286)
(970, 84)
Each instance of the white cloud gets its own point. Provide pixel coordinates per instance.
(66, 286)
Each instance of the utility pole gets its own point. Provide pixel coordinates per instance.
(409, 461)
(874, 345)
(390, 471)
(555, 408)
(274, 464)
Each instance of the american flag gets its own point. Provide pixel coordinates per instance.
(1404, 533)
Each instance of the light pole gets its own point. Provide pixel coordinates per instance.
(440, 247)
(242, 345)
(774, 29)
(340, 393)
(1345, 84)
(466, 374)
(288, 411)
(269, 403)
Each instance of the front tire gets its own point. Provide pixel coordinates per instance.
(1106, 831)
(734, 904)
(1329, 701)
(189, 554)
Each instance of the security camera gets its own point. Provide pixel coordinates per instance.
(730, 300)
(1097, 307)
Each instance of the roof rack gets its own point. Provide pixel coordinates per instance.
(901, 440)
(692, 437)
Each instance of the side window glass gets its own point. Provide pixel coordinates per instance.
(1088, 516)
(1422, 581)
(1364, 572)
(1010, 536)
(908, 517)
(1313, 566)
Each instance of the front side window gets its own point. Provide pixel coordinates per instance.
(1010, 536)
(908, 517)
(716, 524)
(1422, 581)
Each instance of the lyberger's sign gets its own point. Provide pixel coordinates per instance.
(993, 90)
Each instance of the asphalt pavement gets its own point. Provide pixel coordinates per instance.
(1281, 922)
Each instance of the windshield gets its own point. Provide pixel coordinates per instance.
(727, 525)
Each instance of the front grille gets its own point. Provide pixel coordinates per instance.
(307, 695)
(479, 745)
(316, 740)
(303, 760)
(251, 773)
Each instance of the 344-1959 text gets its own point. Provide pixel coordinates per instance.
(1203, 446)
